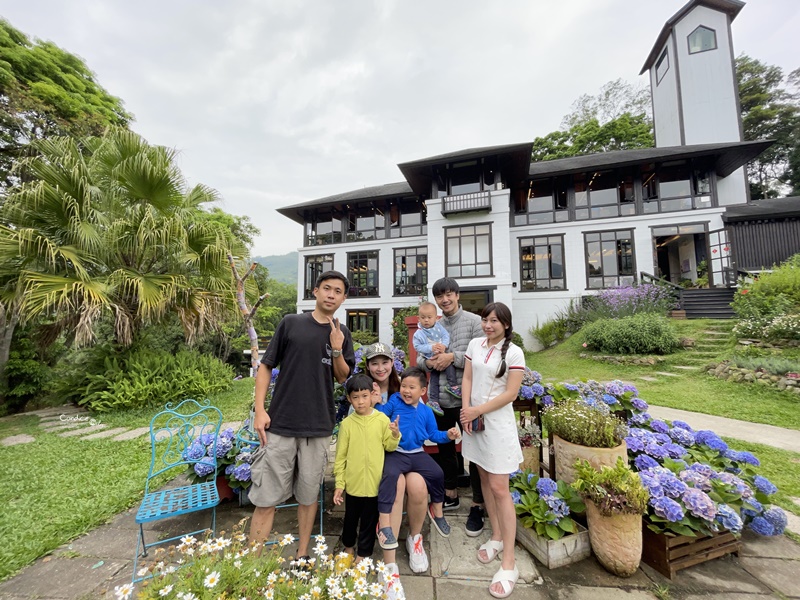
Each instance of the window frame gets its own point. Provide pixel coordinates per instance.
(460, 265)
(695, 30)
(367, 289)
(548, 241)
(664, 56)
(617, 276)
(363, 313)
(308, 291)
(420, 288)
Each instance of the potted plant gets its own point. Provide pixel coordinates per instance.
(202, 448)
(584, 430)
(232, 568)
(530, 439)
(615, 502)
(544, 525)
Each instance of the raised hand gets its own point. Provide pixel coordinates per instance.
(394, 427)
(337, 337)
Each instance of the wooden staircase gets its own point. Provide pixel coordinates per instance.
(711, 303)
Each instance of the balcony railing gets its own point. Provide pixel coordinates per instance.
(467, 202)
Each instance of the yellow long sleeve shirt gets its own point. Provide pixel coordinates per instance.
(359, 453)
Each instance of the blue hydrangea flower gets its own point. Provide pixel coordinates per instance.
(204, 467)
(195, 451)
(675, 450)
(757, 509)
(656, 451)
(703, 469)
(672, 486)
(761, 526)
(659, 426)
(228, 434)
(571, 387)
(229, 469)
(662, 438)
(639, 404)
(764, 485)
(207, 439)
(634, 444)
(557, 506)
(242, 472)
(546, 486)
(531, 476)
(644, 462)
(516, 497)
(682, 436)
(538, 389)
(652, 484)
(683, 425)
(710, 439)
(537, 377)
(736, 483)
(223, 446)
(629, 387)
(244, 456)
(615, 388)
(637, 419)
(667, 508)
(526, 392)
(728, 518)
(696, 479)
(276, 372)
(610, 400)
(776, 518)
(699, 504)
(749, 458)
(547, 400)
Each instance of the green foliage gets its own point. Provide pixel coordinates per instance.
(769, 306)
(578, 423)
(534, 512)
(26, 374)
(103, 380)
(550, 332)
(364, 337)
(516, 338)
(638, 334)
(615, 490)
(614, 99)
(400, 329)
(773, 365)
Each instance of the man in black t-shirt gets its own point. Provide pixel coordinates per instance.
(311, 349)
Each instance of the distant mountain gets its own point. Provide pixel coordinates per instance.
(281, 268)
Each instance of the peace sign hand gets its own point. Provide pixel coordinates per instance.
(337, 337)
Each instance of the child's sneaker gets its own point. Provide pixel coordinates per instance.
(440, 523)
(454, 390)
(434, 406)
(386, 538)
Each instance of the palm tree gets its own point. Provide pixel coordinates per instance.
(109, 226)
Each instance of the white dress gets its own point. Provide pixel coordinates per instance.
(497, 448)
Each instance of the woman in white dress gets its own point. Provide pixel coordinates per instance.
(492, 378)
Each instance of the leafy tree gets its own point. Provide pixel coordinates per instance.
(770, 111)
(241, 227)
(614, 100)
(46, 91)
(108, 226)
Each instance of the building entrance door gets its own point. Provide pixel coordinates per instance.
(475, 299)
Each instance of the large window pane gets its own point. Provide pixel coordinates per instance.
(468, 251)
(315, 266)
(609, 262)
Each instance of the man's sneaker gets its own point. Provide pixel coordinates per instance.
(392, 587)
(440, 523)
(454, 390)
(474, 524)
(417, 559)
(434, 406)
(450, 503)
(386, 538)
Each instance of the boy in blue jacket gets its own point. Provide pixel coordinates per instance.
(417, 424)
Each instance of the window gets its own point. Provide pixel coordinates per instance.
(466, 177)
(316, 266)
(702, 39)
(542, 263)
(324, 228)
(546, 202)
(408, 218)
(675, 186)
(609, 259)
(411, 271)
(662, 66)
(604, 194)
(366, 223)
(468, 251)
(362, 268)
(363, 319)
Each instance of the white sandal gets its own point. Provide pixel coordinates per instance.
(508, 579)
(492, 549)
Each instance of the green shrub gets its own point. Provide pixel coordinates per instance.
(774, 365)
(770, 294)
(517, 339)
(638, 334)
(364, 337)
(400, 329)
(26, 375)
(550, 332)
(141, 378)
(578, 423)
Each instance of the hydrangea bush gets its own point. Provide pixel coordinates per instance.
(202, 450)
(697, 484)
(231, 568)
(545, 505)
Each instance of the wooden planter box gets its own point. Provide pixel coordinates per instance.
(555, 553)
(669, 554)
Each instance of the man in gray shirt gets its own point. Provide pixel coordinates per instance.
(463, 327)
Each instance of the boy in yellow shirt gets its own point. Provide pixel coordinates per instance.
(363, 438)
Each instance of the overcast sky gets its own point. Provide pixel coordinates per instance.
(276, 103)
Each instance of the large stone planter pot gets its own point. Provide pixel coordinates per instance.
(530, 460)
(616, 540)
(555, 553)
(566, 453)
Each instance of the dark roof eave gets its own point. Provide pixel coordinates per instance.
(732, 7)
(757, 210)
(728, 157)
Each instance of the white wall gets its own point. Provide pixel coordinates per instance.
(666, 118)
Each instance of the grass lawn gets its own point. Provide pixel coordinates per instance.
(59, 488)
(694, 391)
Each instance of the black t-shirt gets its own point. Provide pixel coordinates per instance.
(302, 404)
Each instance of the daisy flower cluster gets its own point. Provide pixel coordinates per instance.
(698, 484)
(229, 567)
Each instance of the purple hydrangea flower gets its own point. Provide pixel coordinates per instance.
(635, 444)
(662, 438)
(683, 425)
(672, 486)
(659, 426)
(195, 451)
(732, 480)
(667, 508)
(536, 376)
(242, 472)
(776, 518)
(757, 509)
(629, 387)
(223, 446)
(644, 462)
(546, 486)
(207, 439)
(695, 479)
(699, 504)
(682, 436)
(557, 506)
(652, 484)
(276, 371)
(728, 518)
(615, 388)
(637, 419)
(526, 392)
(244, 456)
(204, 467)
(675, 450)
(516, 497)
(228, 434)
(764, 485)
(229, 469)
(571, 387)
(762, 527)
(547, 400)
(656, 451)
(538, 389)
(639, 404)
(703, 469)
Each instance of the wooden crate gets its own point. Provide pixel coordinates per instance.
(555, 553)
(669, 554)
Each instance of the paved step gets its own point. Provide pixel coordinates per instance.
(665, 374)
(105, 434)
(83, 430)
(686, 367)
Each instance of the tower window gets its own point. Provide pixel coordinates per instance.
(662, 66)
(702, 39)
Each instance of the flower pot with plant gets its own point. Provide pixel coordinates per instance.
(530, 440)
(584, 431)
(544, 525)
(615, 502)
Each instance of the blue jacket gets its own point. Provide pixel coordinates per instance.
(417, 423)
(424, 339)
